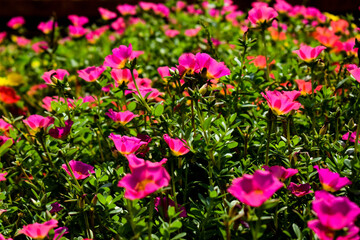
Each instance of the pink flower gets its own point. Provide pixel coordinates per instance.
(279, 103)
(334, 212)
(135, 162)
(2, 176)
(352, 137)
(61, 132)
(178, 147)
(308, 53)
(164, 71)
(126, 145)
(16, 22)
(331, 181)
(121, 117)
(142, 83)
(2, 36)
(355, 73)
(145, 179)
(40, 46)
(3, 139)
(280, 172)
(3, 238)
(162, 204)
(81, 170)
(161, 10)
(305, 87)
(325, 233)
(119, 25)
(106, 14)
(4, 126)
(60, 232)
(77, 31)
(35, 88)
(37, 122)
(126, 9)
(121, 56)
(22, 42)
(46, 27)
(262, 14)
(152, 93)
(214, 69)
(122, 75)
(38, 230)
(58, 74)
(78, 20)
(91, 74)
(171, 33)
(192, 32)
(255, 189)
(299, 190)
(187, 63)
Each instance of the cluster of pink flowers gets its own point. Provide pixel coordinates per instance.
(190, 63)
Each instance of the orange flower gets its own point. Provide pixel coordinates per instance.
(8, 95)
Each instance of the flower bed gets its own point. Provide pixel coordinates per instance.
(181, 121)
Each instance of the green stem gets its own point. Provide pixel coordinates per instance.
(72, 175)
(131, 216)
(42, 142)
(150, 221)
(269, 128)
(266, 55)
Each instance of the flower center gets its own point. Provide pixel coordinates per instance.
(140, 186)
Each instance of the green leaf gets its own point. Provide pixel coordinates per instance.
(131, 106)
(179, 236)
(297, 230)
(5, 146)
(159, 110)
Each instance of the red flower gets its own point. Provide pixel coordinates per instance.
(8, 95)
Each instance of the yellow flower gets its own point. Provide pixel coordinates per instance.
(12, 79)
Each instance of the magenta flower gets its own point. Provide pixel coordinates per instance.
(214, 69)
(3, 139)
(91, 74)
(299, 190)
(255, 189)
(2, 176)
(262, 14)
(126, 145)
(143, 148)
(77, 31)
(178, 147)
(280, 103)
(325, 233)
(162, 204)
(81, 170)
(122, 75)
(126, 9)
(39, 47)
(3, 238)
(351, 137)
(39, 230)
(292, 95)
(4, 126)
(308, 53)
(164, 72)
(37, 122)
(56, 207)
(120, 56)
(46, 27)
(334, 212)
(61, 132)
(355, 73)
(192, 32)
(135, 162)
(280, 172)
(60, 232)
(331, 181)
(187, 63)
(106, 14)
(121, 117)
(145, 179)
(2, 36)
(54, 75)
(171, 33)
(16, 22)
(78, 20)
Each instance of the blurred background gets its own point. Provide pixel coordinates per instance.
(35, 11)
